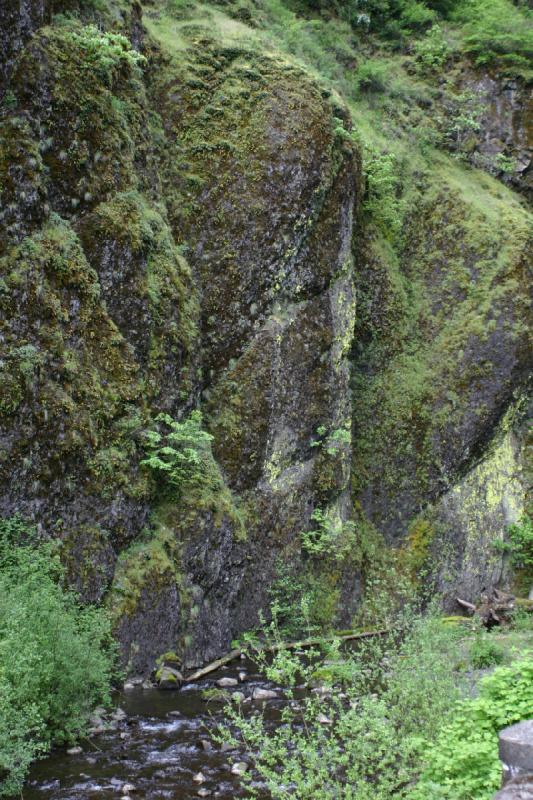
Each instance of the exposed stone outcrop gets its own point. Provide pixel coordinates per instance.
(177, 232)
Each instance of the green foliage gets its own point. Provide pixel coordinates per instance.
(182, 455)
(366, 743)
(432, 51)
(303, 603)
(382, 199)
(330, 538)
(485, 652)
(105, 53)
(498, 33)
(462, 764)
(332, 442)
(55, 658)
(519, 544)
(372, 75)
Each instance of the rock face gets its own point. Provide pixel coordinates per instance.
(181, 228)
(504, 142)
(19, 19)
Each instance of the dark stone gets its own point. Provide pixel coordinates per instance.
(516, 749)
(520, 788)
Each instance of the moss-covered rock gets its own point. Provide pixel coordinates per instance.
(438, 372)
(177, 232)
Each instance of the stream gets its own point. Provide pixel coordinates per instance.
(158, 745)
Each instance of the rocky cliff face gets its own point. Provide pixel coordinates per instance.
(180, 228)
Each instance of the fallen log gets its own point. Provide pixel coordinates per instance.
(233, 654)
(494, 607)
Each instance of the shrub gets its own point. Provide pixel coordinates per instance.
(519, 544)
(432, 52)
(372, 76)
(499, 34)
(362, 745)
(55, 658)
(485, 653)
(181, 455)
(382, 202)
(104, 53)
(463, 764)
(330, 538)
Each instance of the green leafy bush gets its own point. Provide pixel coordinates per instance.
(382, 199)
(56, 660)
(498, 33)
(463, 764)
(485, 652)
(182, 455)
(432, 51)
(105, 53)
(365, 744)
(372, 76)
(519, 544)
(330, 538)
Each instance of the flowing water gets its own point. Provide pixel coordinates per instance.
(158, 747)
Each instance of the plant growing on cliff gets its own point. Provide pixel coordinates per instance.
(519, 544)
(181, 453)
(329, 538)
(56, 662)
(105, 53)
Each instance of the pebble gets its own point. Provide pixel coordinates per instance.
(239, 768)
(203, 792)
(128, 788)
(323, 720)
(242, 676)
(225, 747)
(199, 777)
(74, 751)
(206, 745)
(128, 686)
(224, 682)
(238, 697)
(264, 694)
(147, 685)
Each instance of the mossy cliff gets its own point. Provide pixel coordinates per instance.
(184, 224)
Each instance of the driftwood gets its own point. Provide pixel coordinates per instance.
(494, 607)
(231, 656)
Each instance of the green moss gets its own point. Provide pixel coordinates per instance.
(415, 551)
(152, 562)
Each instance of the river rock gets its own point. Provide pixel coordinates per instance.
(128, 788)
(199, 777)
(264, 694)
(74, 751)
(226, 682)
(168, 678)
(239, 768)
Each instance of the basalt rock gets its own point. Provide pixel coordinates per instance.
(182, 228)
